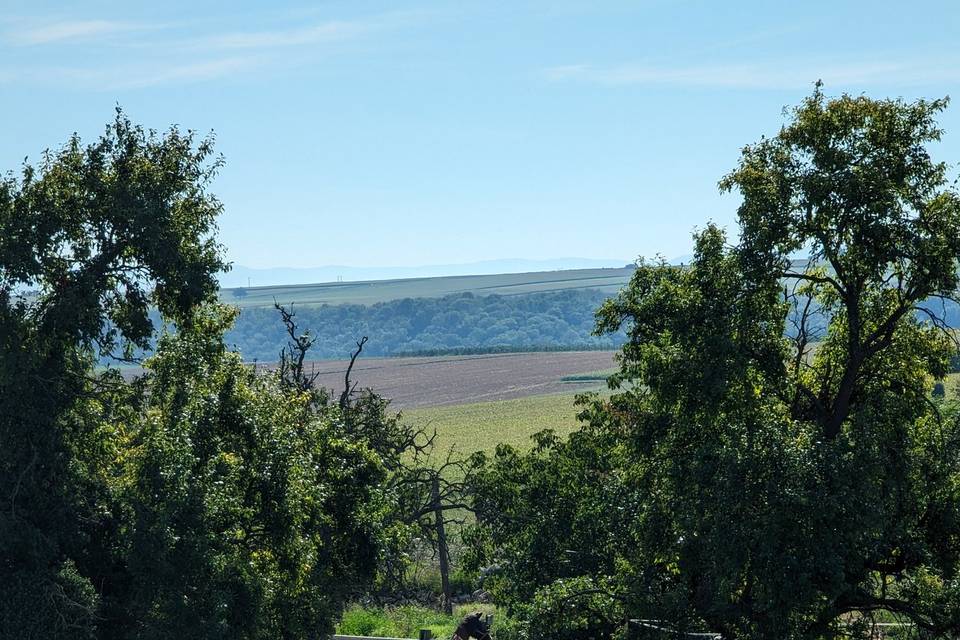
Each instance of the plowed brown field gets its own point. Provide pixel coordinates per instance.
(452, 380)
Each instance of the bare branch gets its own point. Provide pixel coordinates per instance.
(349, 389)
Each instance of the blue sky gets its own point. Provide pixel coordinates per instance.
(372, 134)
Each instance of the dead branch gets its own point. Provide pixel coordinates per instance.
(293, 355)
(347, 388)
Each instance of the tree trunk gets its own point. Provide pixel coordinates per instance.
(442, 548)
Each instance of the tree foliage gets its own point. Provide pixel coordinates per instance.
(203, 500)
(252, 516)
(771, 453)
(98, 233)
(426, 492)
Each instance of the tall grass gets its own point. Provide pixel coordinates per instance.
(404, 621)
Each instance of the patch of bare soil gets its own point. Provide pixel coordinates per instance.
(449, 380)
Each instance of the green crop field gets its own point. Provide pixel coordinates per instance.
(373, 291)
(481, 426)
(599, 376)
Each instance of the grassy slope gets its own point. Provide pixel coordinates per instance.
(482, 426)
(371, 292)
(600, 376)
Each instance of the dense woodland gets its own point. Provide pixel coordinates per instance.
(466, 323)
(554, 320)
(771, 462)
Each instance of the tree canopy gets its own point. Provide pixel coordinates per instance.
(95, 234)
(772, 462)
(203, 500)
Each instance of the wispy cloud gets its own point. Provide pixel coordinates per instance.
(182, 73)
(769, 75)
(68, 31)
(137, 74)
(332, 31)
(171, 53)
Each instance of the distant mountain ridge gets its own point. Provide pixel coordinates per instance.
(243, 276)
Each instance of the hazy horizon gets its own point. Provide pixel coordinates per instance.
(246, 276)
(429, 133)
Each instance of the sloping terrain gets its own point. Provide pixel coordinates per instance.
(374, 291)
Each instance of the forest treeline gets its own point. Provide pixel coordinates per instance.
(451, 324)
(465, 323)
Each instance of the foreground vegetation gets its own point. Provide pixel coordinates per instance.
(206, 499)
(404, 621)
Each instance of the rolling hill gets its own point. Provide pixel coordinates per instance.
(370, 292)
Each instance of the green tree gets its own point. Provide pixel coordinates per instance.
(200, 501)
(251, 515)
(551, 524)
(425, 493)
(786, 473)
(89, 240)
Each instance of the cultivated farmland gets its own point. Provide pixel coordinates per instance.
(456, 380)
(481, 426)
(374, 291)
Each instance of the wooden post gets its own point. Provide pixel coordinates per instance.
(442, 548)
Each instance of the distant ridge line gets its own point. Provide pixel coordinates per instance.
(368, 292)
(352, 283)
